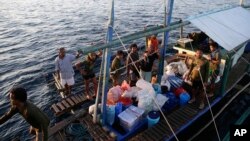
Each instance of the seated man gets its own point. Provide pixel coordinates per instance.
(38, 120)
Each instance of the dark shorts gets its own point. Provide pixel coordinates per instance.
(197, 85)
(88, 76)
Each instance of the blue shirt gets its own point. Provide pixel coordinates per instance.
(65, 66)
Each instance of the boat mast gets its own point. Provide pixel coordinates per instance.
(106, 62)
(241, 2)
(168, 9)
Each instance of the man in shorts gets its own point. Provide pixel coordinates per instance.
(64, 69)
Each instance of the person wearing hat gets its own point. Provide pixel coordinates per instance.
(38, 120)
(86, 68)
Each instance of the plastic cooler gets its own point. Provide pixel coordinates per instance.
(130, 117)
(153, 118)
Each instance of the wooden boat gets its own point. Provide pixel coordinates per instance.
(184, 122)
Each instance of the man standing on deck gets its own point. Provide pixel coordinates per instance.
(38, 120)
(86, 68)
(133, 56)
(115, 67)
(146, 64)
(214, 60)
(199, 76)
(64, 69)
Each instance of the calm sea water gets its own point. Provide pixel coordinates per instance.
(32, 30)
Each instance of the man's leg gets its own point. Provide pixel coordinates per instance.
(95, 85)
(70, 83)
(34, 131)
(87, 88)
(201, 95)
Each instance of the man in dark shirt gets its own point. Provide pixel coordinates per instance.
(146, 64)
(31, 113)
(132, 64)
(214, 60)
(199, 76)
(115, 67)
(86, 68)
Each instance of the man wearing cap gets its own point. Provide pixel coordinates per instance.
(86, 68)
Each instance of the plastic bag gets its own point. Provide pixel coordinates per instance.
(125, 85)
(160, 99)
(132, 92)
(145, 99)
(145, 85)
(114, 95)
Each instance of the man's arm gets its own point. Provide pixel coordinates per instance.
(99, 54)
(8, 115)
(57, 68)
(78, 67)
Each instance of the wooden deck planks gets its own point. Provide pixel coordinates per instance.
(55, 108)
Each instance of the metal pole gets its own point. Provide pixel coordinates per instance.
(181, 31)
(98, 90)
(107, 59)
(241, 2)
(168, 17)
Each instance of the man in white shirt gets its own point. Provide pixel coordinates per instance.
(64, 69)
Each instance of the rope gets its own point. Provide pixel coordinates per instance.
(222, 109)
(165, 118)
(126, 51)
(133, 62)
(210, 108)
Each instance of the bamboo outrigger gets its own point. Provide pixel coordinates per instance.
(183, 118)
